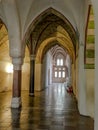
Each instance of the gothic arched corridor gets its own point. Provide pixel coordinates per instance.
(43, 43)
(51, 109)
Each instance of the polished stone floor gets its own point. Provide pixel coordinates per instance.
(51, 109)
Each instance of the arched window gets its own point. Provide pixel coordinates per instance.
(60, 62)
(56, 74)
(63, 74)
(59, 69)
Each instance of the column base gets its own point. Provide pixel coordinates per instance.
(16, 102)
(31, 94)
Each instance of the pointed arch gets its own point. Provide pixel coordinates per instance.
(64, 21)
(48, 43)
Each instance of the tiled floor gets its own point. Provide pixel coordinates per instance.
(52, 109)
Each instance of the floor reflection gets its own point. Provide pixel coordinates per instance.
(51, 109)
(15, 114)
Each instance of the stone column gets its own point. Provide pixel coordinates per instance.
(69, 71)
(82, 96)
(32, 75)
(16, 96)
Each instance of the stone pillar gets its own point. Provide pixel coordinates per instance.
(69, 71)
(82, 95)
(16, 96)
(32, 75)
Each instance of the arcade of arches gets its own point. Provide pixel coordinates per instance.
(54, 43)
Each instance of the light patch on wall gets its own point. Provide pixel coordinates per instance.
(9, 68)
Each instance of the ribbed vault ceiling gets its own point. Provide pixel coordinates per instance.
(57, 49)
(49, 29)
(4, 43)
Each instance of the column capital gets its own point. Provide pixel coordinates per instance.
(17, 67)
(17, 63)
(32, 57)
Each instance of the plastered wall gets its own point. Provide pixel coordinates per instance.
(6, 79)
(90, 91)
(25, 76)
